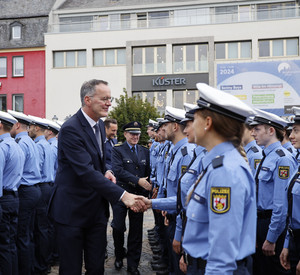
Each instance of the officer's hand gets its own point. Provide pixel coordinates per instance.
(182, 265)
(109, 175)
(298, 269)
(154, 193)
(268, 248)
(284, 260)
(147, 202)
(145, 184)
(176, 246)
(135, 202)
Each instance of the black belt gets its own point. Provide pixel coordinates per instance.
(43, 183)
(171, 217)
(295, 233)
(264, 214)
(10, 192)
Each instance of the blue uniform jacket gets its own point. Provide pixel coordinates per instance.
(254, 155)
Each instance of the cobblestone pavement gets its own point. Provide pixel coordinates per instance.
(144, 267)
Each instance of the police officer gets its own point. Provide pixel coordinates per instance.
(131, 166)
(272, 176)
(253, 151)
(221, 212)
(29, 192)
(290, 255)
(11, 168)
(36, 131)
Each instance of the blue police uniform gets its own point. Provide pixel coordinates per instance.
(153, 151)
(221, 218)
(129, 166)
(11, 169)
(289, 147)
(109, 144)
(53, 143)
(254, 155)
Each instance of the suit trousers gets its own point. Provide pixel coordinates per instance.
(135, 235)
(76, 242)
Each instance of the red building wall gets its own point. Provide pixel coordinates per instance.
(31, 85)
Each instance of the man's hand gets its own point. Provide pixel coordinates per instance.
(145, 184)
(154, 193)
(147, 202)
(109, 175)
(268, 248)
(182, 265)
(166, 221)
(176, 246)
(284, 260)
(135, 202)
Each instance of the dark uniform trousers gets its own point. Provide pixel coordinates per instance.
(128, 167)
(294, 249)
(8, 233)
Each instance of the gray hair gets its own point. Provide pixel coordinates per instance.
(88, 88)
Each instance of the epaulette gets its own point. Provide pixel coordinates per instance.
(145, 146)
(118, 144)
(184, 151)
(280, 152)
(17, 140)
(217, 162)
(290, 149)
(1, 140)
(254, 149)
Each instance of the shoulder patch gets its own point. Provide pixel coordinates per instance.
(280, 153)
(184, 151)
(217, 162)
(220, 199)
(254, 149)
(284, 172)
(256, 162)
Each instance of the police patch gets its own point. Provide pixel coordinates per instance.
(220, 199)
(284, 172)
(183, 168)
(256, 162)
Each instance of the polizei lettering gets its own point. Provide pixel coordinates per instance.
(162, 81)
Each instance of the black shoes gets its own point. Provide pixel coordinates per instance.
(133, 270)
(118, 264)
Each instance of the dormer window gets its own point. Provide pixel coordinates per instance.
(16, 30)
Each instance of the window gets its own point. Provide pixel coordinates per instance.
(159, 99)
(3, 67)
(226, 14)
(18, 103)
(158, 19)
(190, 58)
(278, 47)
(191, 17)
(16, 32)
(76, 23)
(69, 59)
(3, 103)
(276, 10)
(108, 57)
(233, 50)
(188, 96)
(125, 21)
(18, 66)
(149, 60)
(141, 20)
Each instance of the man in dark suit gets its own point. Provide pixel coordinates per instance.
(83, 185)
(111, 128)
(131, 165)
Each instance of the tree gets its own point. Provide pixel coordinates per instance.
(133, 109)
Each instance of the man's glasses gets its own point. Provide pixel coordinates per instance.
(105, 99)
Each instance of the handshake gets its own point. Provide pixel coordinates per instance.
(136, 203)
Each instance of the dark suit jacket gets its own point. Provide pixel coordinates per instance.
(81, 190)
(108, 148)
(128, 169)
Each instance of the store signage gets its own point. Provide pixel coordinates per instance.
(168, 81)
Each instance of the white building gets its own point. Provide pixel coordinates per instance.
(160, 49)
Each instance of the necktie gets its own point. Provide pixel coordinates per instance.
(98, 137)
(257, 172)
(297, 155)
(289, 193)
(135, 158)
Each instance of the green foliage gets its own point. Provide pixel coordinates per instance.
(133, 109)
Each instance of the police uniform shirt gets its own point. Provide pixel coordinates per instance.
(53, 143)
(254, 155)
(46, 162)
(31, 173)
(272, 192)
(12, 162)
(290, 148)
(221, 215)
(154, 149)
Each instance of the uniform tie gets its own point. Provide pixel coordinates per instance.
(289, 193)
(257, 172)
(135, 157)
(98, 137)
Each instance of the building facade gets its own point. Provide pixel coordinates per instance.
(160, 49)
(22, 55)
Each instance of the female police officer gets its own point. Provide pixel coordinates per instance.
(221, 211)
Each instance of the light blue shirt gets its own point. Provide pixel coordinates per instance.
(11, 163)
(31, 172)
(221, 215)
(288, 146)
(53, 143)
(274, 177)
(46, 161)
(154, 150)
(254, 155)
